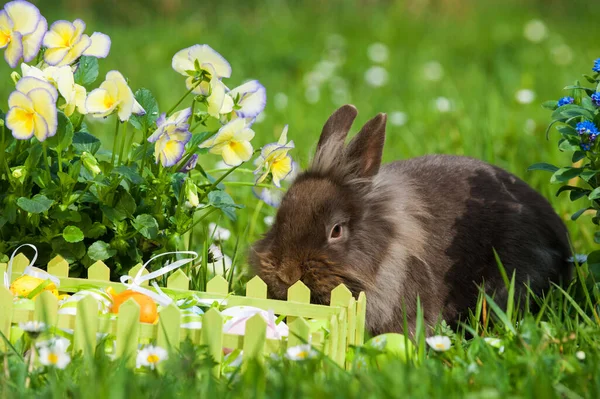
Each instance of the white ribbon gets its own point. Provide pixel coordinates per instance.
(30, 270)
(134, 283)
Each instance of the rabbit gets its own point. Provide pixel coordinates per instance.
(425, 227)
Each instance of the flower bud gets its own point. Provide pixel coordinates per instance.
(191, 194)
(15, 76)
(17, 172)
(90, 163)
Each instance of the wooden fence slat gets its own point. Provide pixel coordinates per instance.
(217, 285)
(299, 333)
(99, 271)
(212, 336)
(342, 336)
(128, 331)
(256, 288)
(361, 312)
(20, 262)
(298, 292)
(351, 321)
(86, 326)
(46, 308)
(178, 280)
(169, 330)
(6, 314)
(134, 271)
(255, 339)
(58, 267)
(333, 338)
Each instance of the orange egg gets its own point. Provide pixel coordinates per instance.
(148, 309)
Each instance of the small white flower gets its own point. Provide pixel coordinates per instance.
(214, 253)
(300, 352)
(439, 343)
(398, 118)
(269, 220)
(55, 356)
(433, 71)
(280, 100)
(494, 342)
(443, 104)
(379, 342)
(34, 327)
(535, 31)
(150, 356)
(580, 355)
(55, 343)
(376, 76)
(525, 96)
(220, 233)
(378, 52)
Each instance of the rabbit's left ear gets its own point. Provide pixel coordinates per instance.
(366, 148)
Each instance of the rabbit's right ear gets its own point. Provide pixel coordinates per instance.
(333, 137)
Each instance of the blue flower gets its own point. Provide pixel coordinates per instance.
(596, 99)
(565, 101)
(587, 127)
(596, 67)
(585, 146)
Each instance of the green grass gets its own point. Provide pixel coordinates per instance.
(485, 60)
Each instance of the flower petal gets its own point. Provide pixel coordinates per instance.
(53, 56)
(20, 122)
(6, 26)
(33, 41)
(181, 117)
(41, 130)
(237, 152)
(45, 106)
(281, 169)
(64, 80)
(253, 99)
(14, 50)
(172, 153)
(77, 50)
(206, 55)
(24, 15)
(29, 83)
(60, 34)
(181, 62)
(99, 101)
(100, 46)
(79, 29)
(181, 135)
(20, 100)
(245, 134)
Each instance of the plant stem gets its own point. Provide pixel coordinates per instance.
(191, 118)
(112, 158)
(187, 93)
(123, 144)
(45, 147)
(200, 219)
(255, 218)
(248, 184)
(219, 180)
(59, 161)
(243, 170)
(30, 366)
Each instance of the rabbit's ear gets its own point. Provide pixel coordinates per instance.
(333, 136)
(365, 150)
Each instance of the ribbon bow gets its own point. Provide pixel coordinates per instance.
(30, 270)
(134, 283)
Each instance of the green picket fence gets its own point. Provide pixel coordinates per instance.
(344, 318)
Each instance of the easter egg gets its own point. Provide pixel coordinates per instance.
(148, 308)
(394, 346)
(24, 285)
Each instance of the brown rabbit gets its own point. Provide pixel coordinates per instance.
(423, 227)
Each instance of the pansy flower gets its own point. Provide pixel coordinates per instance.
(66, 42)
(218, 103)
(32, 110)
(190, 164)
(22, 28)
(113, 94)
(171, 136)
(274, 159)
(250, 99)
(200, 59)
(232, 142)
(62, 78)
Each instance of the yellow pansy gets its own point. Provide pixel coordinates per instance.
(210, 63)
(232, 142)
(113, 94)
(274, 159)
(66, 42)
(21, 30)
(32, 110)
(219, 102)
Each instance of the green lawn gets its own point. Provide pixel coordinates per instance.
(455, 70)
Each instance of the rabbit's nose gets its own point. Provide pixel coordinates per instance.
(289, 274)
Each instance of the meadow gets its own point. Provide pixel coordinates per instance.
(454, 76)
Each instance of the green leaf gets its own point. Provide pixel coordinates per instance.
(96, 230)
(565, 174)
(543, 166)
(569, 144)
(578, 156)
(129, 173)
(148, 102)
(590, 79)
(567, 130)
(146, 225)
(550, 104)
(571, 188)
(100, 251)
(577, 214)
(199, 138)
(85, 142)
(588, 174)
(87, 71)
(595, 194)
(126, 203)
(223, 201)
(112, 214)
(72, 234)
(38, 204)
(64, 134)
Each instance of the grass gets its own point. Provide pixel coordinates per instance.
(485, 60)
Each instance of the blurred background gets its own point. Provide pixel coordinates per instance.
(454, 76)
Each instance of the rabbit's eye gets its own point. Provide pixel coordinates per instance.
(336, 232)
